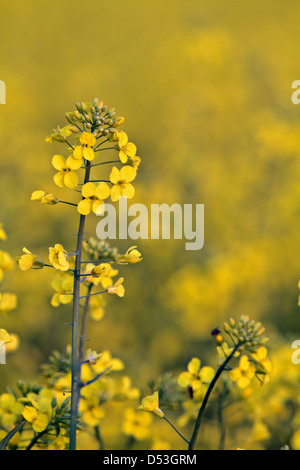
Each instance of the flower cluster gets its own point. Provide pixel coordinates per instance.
(198, 381)
(92, 128)
(8, 300)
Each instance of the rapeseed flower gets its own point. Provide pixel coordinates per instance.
(151, 404)
(243, 374)
(44, 198)
(93, 197)
(121, 180)
(85, 150)
(29, 261)
(126, 149)
(58, 257)
(66, 175)
(131, 256)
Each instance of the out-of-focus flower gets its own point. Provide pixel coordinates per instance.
(196, 377)
(58, 443)
(92, 411)
(243, 374)
(62, 286)
(136, 424)
(3, 235)
(10, 409)
(13, 343)
(4, 336)
(8, 302)
(6, 263)
(58, 257)
(38, 420)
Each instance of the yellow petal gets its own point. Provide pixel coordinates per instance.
(115, 175)
(128, 173)
(123, 157)
(37, 195)
(59, 162)
(85, 206)
(128, 190)
(71, 180)
(131, 149)
(123, 139)
(102, 191)
(89, 190)
(115, 193)
(73, 163)
(58, 179)
(77, 152)
(88, 153)
(194, 366)
(97, 207)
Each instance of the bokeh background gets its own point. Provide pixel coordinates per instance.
(205, 88)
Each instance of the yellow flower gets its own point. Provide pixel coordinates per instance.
(261, 356)
(13, 343)
(126, 149)
(6, 263)
(243, 374)
(38, 420)
(93, 197)
(58, 443)
(44, 198)
(104, 361)
(87, 141)
(7, 302)
(10, 409)
(136, 424)
(58, 257)
(135, 162)
(92, 412)
(131, 256)
(66, 176)
(3, 235)
(196, 377)
(62, 286)
(101, 274)
(4, 336)
(102, 269)
(29, 261)
(117, 288)
(151, 404)
(121, 180)
(96, 307)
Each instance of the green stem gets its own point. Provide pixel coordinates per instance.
(83, 323)
(75, 326)
(175, 429)
(206, 398)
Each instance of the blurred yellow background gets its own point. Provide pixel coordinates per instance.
(205, 88)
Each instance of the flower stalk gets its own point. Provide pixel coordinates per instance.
(75, 379)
